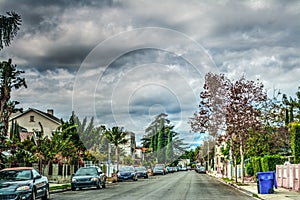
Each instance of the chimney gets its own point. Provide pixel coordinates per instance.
(50, 111)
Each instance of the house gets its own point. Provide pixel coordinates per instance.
(130, 145)
(32, 119)
(220, 159)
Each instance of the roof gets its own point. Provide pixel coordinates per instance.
(18, 168)
(46, 115)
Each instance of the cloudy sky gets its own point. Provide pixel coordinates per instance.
(124, 62)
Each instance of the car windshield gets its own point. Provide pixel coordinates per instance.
(140, 168)
(159, 167)
(86, 171)
(126, 169)
(15, 175)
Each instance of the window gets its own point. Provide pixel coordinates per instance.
(31, 119)
(35, 173)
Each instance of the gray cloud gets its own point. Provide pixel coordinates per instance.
(102, 59)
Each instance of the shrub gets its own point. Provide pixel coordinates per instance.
(275, 160)
(264, 163)
(295, 142)
(256, 165)
(249, 169)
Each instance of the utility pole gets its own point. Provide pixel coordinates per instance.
(108, 160)
(208, 167)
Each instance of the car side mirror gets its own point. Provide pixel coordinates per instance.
(37, 177)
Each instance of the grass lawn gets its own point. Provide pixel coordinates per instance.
(60, 187)
(227, 180)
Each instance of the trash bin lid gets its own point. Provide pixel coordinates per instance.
(266, 175)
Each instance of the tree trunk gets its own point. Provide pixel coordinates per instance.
(242, 162)
(117, 155)
(235, 169)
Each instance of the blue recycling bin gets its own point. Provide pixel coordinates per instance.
(266, 182)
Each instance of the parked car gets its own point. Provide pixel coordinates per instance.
(141, 171)
(200, 169)
(86, 177)
(127, 173)
(23, 183)
(183, 168)
(159, 169)
(169, 169)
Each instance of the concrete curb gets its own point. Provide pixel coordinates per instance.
(69, 189)
(59, 191)
(252, 194)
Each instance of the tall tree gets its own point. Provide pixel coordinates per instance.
(273, 137)
(170, 146)
(162, 141)
(10, 78)
(9, 26)
(210, 117)
(234, 106)
(116, 136)
(243, 114)
(90, 135)
(292, 107)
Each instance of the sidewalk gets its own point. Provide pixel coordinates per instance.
(251, 189)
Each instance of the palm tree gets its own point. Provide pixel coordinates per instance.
(116, 136)
(9, 26)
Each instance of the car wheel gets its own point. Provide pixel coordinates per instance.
(73, 188)
(98, 185)
(46, 195)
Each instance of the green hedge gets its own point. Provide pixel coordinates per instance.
(249, 169)
(264, 161)
(275, 160)
(264, 164)
(269, 162)
(295, 141)
(256, 165)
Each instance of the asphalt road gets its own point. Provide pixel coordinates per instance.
(178, 186)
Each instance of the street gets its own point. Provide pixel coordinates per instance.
(178, 186)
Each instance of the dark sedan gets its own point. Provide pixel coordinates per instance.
(127, 173)
(86, 177)
(23, 183)
(141, 171)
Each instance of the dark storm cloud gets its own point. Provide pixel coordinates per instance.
(259, 39)
(42, 20)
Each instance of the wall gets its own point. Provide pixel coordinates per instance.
(48, 125)
(288, 176)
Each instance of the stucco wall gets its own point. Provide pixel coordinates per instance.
(48, 125)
